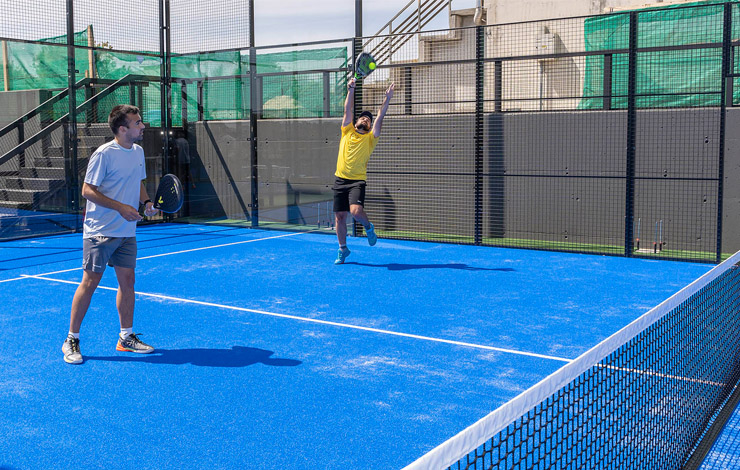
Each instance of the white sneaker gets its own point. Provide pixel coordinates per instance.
(71, 350)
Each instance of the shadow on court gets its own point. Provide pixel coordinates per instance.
(406, 267)
(237, 356)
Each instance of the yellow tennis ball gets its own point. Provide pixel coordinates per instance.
(371, 65)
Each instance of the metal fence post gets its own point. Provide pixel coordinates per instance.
(726, 84)
(327, 94)
(479, 75)
(357, 97)
(408, 95)
(498, 86)
(254, 107)
(607, 83)
(184, 106)
(70, 147)
(631, 139)
(164, 51)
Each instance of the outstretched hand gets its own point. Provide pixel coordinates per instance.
(351, 83)
(389, 91)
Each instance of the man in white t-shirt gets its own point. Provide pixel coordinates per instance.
(114, 188)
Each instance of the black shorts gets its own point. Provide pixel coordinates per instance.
(348, 192)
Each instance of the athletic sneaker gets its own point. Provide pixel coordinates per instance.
(342, 255)
(372, 239)
(71, 350)
(132, 343)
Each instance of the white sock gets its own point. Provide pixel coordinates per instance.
(125, 332)
(343, 247)
(74, 335)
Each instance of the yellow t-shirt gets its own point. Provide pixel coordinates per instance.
(354, 153)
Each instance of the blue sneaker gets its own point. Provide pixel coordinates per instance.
(372, 239)
(341, 256)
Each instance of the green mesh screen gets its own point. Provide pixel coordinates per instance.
(42, 65)
(670, 78)
(225, 87)
(301, 95)
(225, 92)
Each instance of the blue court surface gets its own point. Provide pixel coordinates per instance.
(725, 453)
(269, 356)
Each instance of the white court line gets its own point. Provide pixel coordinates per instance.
(172, 253)
(323, 322)
(225, 244)
(662, 375)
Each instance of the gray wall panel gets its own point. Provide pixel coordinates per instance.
(546, 176)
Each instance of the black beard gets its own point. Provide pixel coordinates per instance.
(362, 127)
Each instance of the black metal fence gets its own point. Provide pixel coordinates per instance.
(605, 134)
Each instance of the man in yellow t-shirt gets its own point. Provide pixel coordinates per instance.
(357, 143)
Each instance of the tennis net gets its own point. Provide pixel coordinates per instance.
(641, 399)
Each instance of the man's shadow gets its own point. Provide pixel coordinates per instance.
(406, 267)
(237, 356)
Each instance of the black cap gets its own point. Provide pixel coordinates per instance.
(366, 113)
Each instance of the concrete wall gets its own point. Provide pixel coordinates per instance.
(14, 104)
(297, 160)
(547, 176)
(583, 200)
(731, 188)
(512, 11)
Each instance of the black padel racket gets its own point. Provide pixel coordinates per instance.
(170, 195)
(364, 65)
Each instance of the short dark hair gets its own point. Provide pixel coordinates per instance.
(119, 116)
(365, 113)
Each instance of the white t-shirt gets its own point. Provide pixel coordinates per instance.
(117, 172)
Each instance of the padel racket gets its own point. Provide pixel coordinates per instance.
(364, 65)
(170, 195)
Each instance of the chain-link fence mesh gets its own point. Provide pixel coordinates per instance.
(606, 134)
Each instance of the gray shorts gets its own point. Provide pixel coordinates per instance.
(113, 251)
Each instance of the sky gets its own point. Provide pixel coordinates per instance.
(302, 20)
(220, 25)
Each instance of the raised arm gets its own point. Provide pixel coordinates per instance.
(383, 109)
(348, 115)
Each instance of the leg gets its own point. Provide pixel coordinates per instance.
(356, 201)
(82, 297)
(358, 212)
(126, 296)
(341, 225)
(125, 304)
